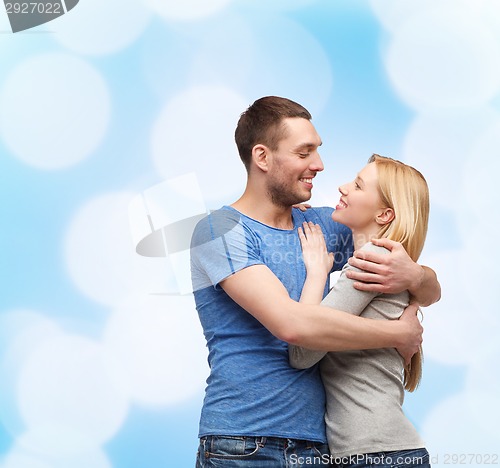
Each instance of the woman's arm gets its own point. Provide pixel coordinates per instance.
(318, 262)
(343, 296)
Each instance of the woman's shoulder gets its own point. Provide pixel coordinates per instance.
(370, 247)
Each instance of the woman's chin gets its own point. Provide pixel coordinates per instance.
(337, 216)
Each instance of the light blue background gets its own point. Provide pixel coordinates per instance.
(102, 359)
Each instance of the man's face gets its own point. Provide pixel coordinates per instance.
(294, 164)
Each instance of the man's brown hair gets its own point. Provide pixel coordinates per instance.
(262, 123)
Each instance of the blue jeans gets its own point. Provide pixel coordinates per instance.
(400, 459)
(260, 452)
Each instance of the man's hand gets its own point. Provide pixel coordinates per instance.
(390, 273)
(413, 341)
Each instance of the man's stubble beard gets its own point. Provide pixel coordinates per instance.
(281, 196)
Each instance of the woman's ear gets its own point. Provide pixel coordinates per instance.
(385, 216)
(260, 155)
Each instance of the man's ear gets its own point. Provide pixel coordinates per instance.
(260, 154)
(385, 216)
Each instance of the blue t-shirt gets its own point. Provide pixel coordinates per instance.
(252, 390)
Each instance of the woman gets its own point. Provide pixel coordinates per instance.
(365, 389)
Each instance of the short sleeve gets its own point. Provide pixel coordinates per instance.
(221, 245)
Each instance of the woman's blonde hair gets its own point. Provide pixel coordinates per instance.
(404, 189)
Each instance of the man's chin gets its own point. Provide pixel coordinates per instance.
(305, 198)
(300, 201)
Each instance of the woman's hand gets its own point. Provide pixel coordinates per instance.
(317, 259)
(302, 206)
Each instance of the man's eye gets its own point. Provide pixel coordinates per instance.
(304, 155)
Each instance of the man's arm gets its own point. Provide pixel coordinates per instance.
(394, 273)
(260, 293)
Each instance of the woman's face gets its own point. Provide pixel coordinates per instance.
(360, 201)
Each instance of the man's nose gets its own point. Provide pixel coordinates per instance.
(317, 163)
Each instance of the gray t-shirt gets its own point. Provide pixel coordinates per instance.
(364, 389)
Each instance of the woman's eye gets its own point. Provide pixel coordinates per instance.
(357, 185)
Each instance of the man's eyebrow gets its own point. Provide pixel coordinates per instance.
(308, 145)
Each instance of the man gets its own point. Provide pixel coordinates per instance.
(248, 273)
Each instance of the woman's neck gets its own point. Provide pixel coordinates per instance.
(362, 236)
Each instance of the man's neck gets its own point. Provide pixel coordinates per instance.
(264, 211)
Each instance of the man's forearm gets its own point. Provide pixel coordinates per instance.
(327, 329)
(427, 291)
(260, 293)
